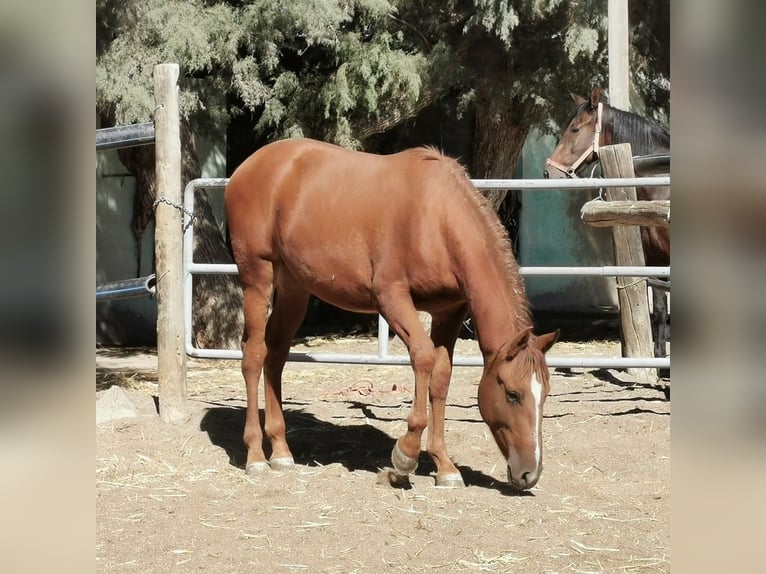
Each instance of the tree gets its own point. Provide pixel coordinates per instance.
(306, 68)
(346, 71)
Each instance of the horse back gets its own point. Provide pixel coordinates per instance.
(337, 219)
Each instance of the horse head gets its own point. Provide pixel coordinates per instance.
(512, 390)
(580, 139)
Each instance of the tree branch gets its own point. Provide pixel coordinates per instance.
(374, 126)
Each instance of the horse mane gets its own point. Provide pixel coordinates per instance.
(645, 137)
(500, 244)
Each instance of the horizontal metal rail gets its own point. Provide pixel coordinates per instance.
(458, 361)
(517, 184)
(383, 357)
(593, 271)
(651, 164)
(124, 136)
(126, 289)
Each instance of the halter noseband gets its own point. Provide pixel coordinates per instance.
(592, 148)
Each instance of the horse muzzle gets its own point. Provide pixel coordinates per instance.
(525, 479)
(554, 170)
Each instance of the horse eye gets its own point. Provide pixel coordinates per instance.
(513, 397)
(575, 130)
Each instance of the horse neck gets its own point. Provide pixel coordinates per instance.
(496, 299)
(644, 136)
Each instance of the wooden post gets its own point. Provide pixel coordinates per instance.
(171, 355)
(618, 47)
(632, 293)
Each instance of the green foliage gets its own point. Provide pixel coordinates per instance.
(341, 70)
(313, 68)
(580, 41)
(498, 17)
(202, 38)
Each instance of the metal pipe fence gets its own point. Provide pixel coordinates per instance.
(119, 137)
(383, 357)
(126, 289)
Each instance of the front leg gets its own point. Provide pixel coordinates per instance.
(397, 308)
(444, 333)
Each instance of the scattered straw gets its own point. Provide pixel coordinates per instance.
(306, 525)
(582, 548)
(491, 563)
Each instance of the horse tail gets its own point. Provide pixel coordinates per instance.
(227, 240)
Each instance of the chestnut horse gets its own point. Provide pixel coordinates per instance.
(391, 235)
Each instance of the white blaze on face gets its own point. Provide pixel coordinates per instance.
(537, 393)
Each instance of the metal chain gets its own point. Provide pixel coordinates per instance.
(631, 284)
(166, 201)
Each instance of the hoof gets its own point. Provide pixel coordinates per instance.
(282, 463)
(389, 477)
(403, 464)
(397, 480)
(257, 468)
(451, 480)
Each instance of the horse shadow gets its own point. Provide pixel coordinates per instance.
(315, 443)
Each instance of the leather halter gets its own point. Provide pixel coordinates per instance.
(592, 148)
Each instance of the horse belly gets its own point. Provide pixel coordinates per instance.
(333, 273)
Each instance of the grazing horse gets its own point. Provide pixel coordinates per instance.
(391, 235)
(596, 124)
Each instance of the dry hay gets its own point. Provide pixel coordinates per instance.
(176, 498)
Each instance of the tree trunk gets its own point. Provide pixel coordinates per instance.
(217, 299)
(498, 139)
(217, 320)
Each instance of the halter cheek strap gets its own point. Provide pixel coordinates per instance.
(592, 148)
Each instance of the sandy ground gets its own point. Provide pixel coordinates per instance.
(175, 498)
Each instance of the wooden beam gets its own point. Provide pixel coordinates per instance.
(632, 292)
(168, 246)
(599, 213)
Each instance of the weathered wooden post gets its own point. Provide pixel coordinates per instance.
(632, 293)
(171, 355)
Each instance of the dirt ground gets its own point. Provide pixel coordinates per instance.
(176, 498)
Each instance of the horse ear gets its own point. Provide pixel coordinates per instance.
(518, 342)
(545, 342)
(595, 98)
(578, 100)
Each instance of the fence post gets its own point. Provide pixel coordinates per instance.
(632, 293)
(171, 355)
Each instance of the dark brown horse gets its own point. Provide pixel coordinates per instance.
(391, 235)
(595, 124)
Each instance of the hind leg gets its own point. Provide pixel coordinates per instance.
(257, 289)
(290, 303)
(397, 308)
(444, 333)
(660, 321)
